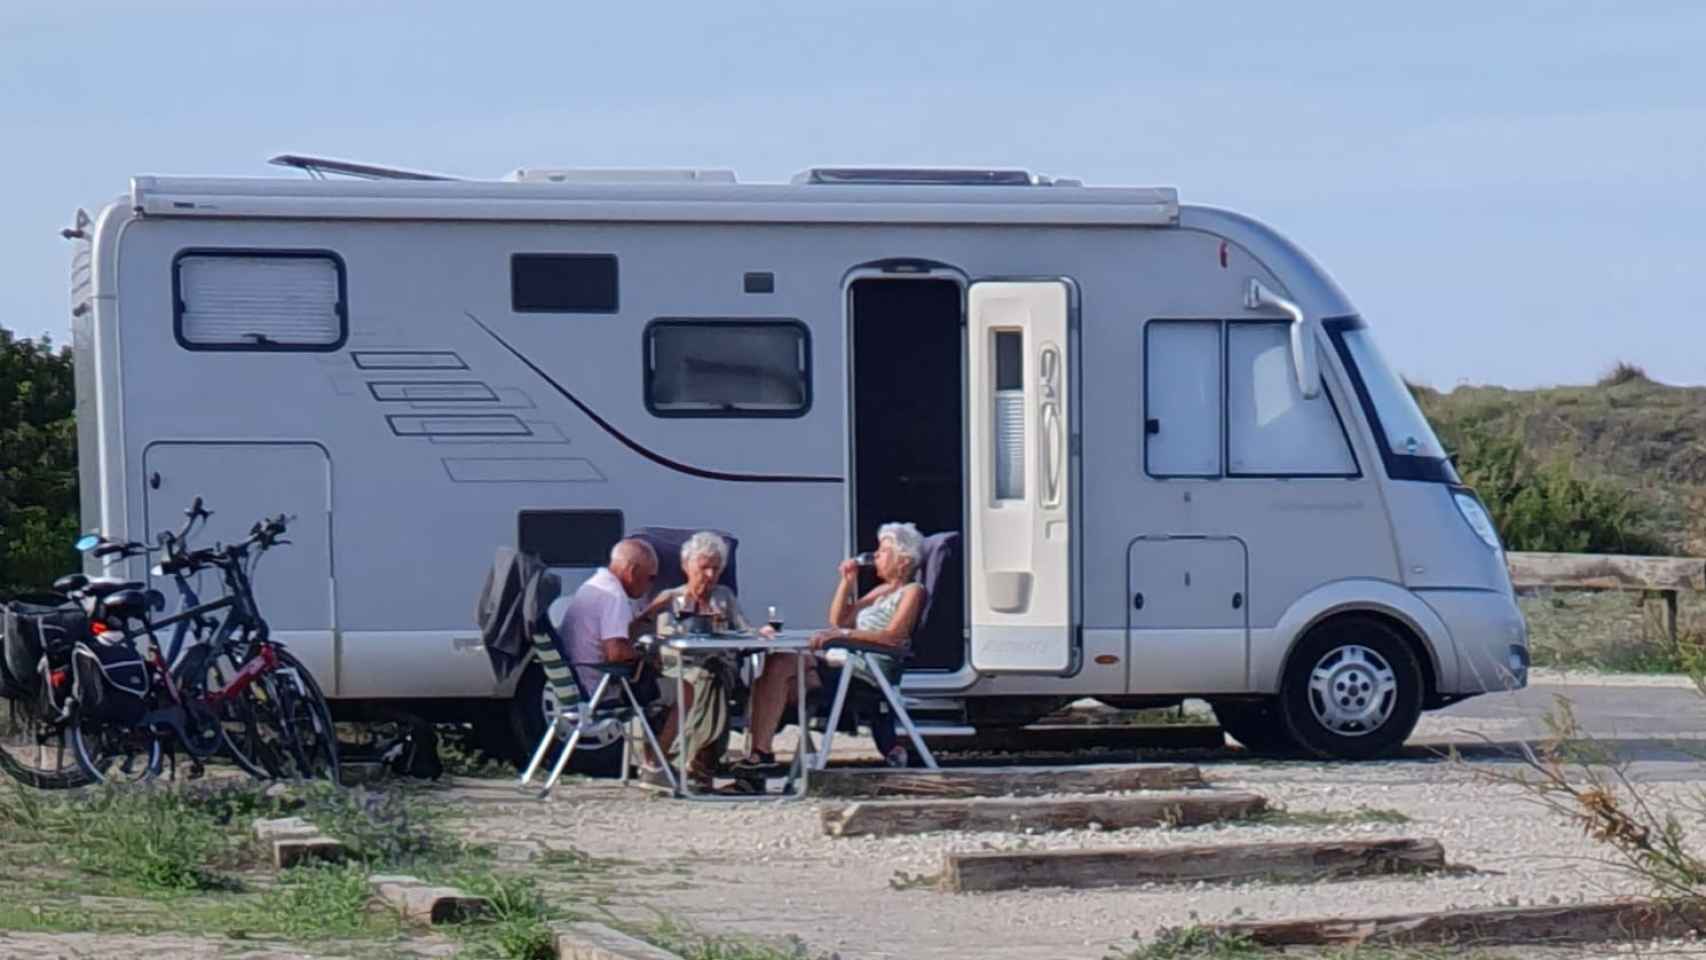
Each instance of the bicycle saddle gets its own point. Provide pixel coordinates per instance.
(70, 583)
(107, 586)
(133, 604)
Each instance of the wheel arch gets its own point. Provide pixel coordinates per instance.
(1415, 621)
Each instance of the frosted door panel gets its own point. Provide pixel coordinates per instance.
(1182, 398)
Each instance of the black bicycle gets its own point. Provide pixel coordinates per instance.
(222, 686)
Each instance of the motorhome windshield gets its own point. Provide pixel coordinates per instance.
(1411, 449)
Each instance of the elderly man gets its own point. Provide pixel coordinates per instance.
(596, 623)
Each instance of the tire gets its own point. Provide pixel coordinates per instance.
(1352, 689)
(294, 738)
(114, 754)
(38, 753)
(1256, 724)
(528, 719)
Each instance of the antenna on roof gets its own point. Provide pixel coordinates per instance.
(318, 167)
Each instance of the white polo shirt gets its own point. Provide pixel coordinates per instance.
(599, 610)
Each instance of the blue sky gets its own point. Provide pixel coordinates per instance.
(1510, 192)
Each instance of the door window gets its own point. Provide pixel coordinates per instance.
(1271, 430)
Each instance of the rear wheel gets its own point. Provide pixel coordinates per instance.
(1352, 689)
(1256, 724)
(110, 753)
(36, 751)
(532, 712)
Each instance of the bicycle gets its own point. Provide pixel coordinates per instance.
(233, 689)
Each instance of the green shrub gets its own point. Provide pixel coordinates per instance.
(1551, 506)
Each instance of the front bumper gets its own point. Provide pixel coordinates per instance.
(1489, 637)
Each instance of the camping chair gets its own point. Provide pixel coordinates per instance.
(581, 718)
(938, 625)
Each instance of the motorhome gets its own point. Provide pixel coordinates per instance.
(1178, 463)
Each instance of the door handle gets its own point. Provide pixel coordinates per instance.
(154, 480)
(1237, 601)
(1152, 426)
(1137, 601)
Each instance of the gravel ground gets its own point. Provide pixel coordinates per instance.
(766, 869)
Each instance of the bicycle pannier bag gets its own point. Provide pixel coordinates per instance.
(112, 681)
(31, 631)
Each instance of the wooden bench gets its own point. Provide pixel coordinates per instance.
(1662, 576)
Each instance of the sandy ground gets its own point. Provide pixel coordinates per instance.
(766, 869)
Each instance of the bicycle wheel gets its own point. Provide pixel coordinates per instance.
(110, 753)
(238, 726)
(293, 733)
(36, 751)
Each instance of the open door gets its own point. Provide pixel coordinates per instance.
(1020, 476)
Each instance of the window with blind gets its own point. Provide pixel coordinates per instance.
(259, 300)
(728, 368)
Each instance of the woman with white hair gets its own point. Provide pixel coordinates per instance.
(703, 715)
(883, 617)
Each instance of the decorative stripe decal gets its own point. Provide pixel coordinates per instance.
(623, 438)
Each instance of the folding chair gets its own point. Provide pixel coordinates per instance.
(586, 719)
(860, 653)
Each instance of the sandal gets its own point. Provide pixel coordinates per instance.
(754, 761)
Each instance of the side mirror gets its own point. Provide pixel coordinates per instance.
(1258, 296)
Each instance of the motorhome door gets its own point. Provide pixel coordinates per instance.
(241, 483)
(1020, 476)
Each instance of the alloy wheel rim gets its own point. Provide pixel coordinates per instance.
(1353, 691)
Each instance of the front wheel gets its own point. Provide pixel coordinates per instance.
(1352, 689)
(293, 733)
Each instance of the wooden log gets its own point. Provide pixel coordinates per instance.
(290, 852)
(890, 817)
(595, 941)
(1003, 781)
(1004, 870)
(1578, 923)
(1075, 737)
(1584, 571)
(418, 902)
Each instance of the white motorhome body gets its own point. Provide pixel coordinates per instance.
(1178, 463)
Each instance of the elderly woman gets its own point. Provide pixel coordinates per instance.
(701, 720)
(885, 617)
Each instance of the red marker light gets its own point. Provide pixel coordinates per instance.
(97, 628)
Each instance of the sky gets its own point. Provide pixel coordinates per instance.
(1509, 192)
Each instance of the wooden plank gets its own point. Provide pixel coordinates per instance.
(595, 941)
(890, 817)
(1011, 870)
(1585, 571)
(290, 852)
(1086, 736)
(278, 829)
(418, 902)
(1578, 923)
(1003, 781)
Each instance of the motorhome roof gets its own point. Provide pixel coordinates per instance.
(821, 195)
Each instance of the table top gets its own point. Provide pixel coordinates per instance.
(786, 640)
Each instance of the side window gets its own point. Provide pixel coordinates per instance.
(728, 368)
(562, 283)
(1181, 403)
(259, 300)
(569, 538)
(1270, 429)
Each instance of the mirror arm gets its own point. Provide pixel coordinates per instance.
(1302, 336)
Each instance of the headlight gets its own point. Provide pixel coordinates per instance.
(1476, 516)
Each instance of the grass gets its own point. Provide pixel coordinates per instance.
(1279, 816)
(693, 945)
(1614, 632)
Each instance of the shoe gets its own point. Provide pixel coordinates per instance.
(752, 763)
(655, 777)
(896, 757)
